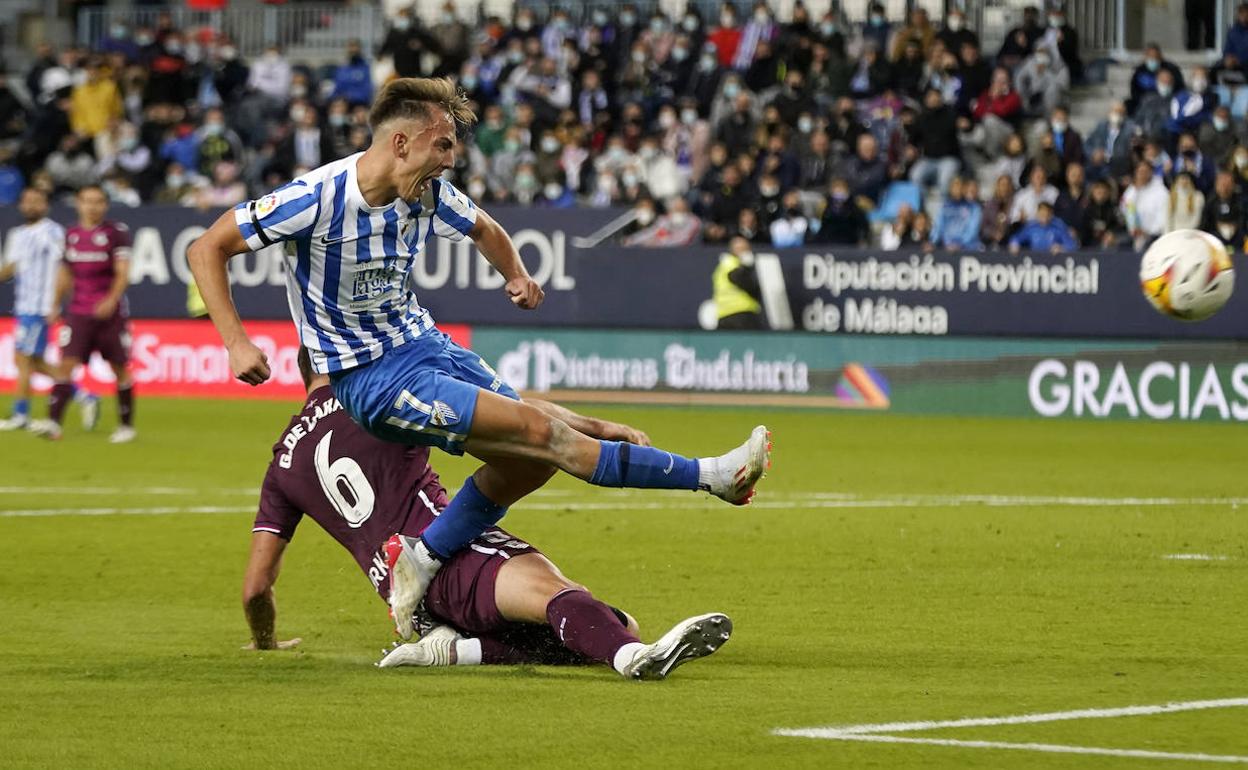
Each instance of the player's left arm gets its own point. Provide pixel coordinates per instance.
(121, 280)
(7, 271)
(498, 249)
(262, 568)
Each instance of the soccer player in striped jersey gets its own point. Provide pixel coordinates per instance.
(351, 231)
(37, 248)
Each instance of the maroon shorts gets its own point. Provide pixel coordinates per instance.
(462, 593)
(82, 335)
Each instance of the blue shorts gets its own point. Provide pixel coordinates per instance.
(32, 335)
(422, 392)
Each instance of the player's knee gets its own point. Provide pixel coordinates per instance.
(538, 430)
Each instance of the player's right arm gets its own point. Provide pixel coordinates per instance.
(262, 568)
(284, 214)
(64, 285)
(207, 257)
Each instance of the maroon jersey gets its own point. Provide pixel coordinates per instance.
(359, 489)
(91, 254)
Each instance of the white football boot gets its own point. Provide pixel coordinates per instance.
(46, 429)
(732, 476)
(16, 422)
(693, 638)
(412, 568)
(436, 648)
(124, 434)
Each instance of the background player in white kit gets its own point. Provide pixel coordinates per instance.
(35, 255)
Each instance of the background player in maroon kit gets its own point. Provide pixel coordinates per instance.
(501, 591)
(94, 274)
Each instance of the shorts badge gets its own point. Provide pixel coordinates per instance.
(443, 415)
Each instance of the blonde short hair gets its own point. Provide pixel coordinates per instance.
(416, 98)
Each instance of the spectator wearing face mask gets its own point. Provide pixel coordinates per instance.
(353, 80)
(726, 37)
(1043, 233)
(831, 34)
(1193, 106)
(1066, 140)
(406, 43)
(1144, 79)
(1109, 145)
(750, 227)
(1192, 161)
(271, 76)
(1224, 212)
(1063, 40)
(876, 30)
(736, 130)
(1042, 83)
(842, 221)
(704, 81)
(216, 143)
(955, 34)
(871, 76)
(677, 227)
(788, 228)
(1219, 137)
(1153, 113)
(308, 144)
(453, 37)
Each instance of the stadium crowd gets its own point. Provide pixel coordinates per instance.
(889, 133)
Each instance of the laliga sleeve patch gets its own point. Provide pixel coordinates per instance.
(266, 205)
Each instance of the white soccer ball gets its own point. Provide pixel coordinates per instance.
(1187, 274)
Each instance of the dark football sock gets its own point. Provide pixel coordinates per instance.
(125, 404)
(62, 394)
(587, 626)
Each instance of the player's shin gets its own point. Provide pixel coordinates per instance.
(125, 403)
(469, 514)
(628, 465)
(589, 627)
(58, 400)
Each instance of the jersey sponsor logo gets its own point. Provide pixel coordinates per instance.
(266, 205)
(370, 282)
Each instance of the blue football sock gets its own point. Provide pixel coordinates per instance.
(641, 467)
(21, 407)
(469, 514)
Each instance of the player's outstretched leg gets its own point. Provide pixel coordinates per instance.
(502, 427)
(125, 431)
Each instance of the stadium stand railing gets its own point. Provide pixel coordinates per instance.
(309, 29)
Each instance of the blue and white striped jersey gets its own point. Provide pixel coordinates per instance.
(37, 249)
(347, 263)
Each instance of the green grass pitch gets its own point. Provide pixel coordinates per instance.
(866, 587)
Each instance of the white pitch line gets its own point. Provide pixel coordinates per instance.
(1050, 748)
(159, 511)
(1021, 719)
(124, 491)
(1194, 557)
